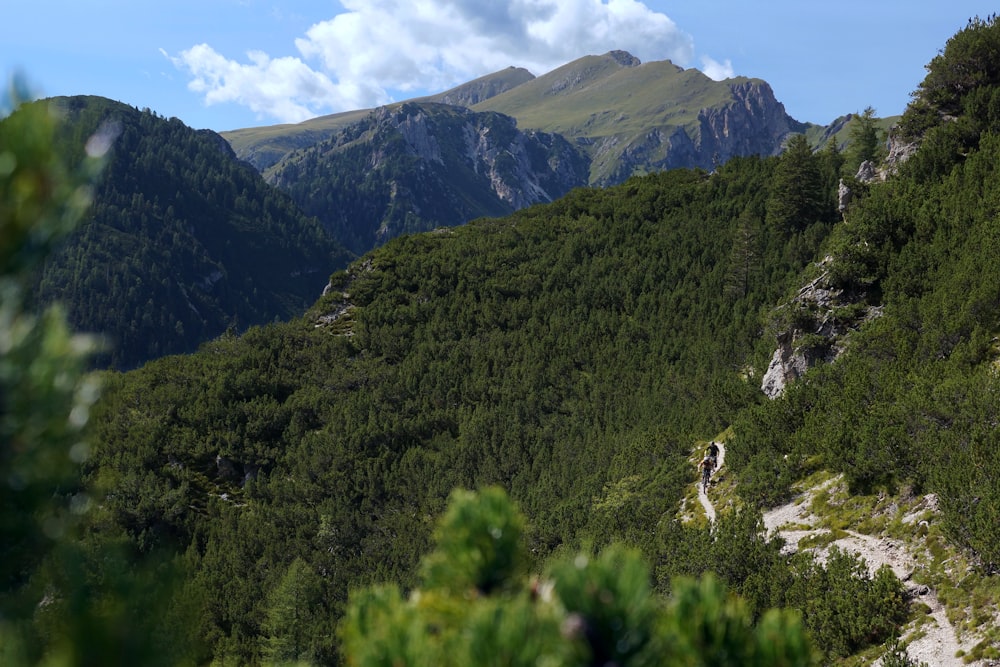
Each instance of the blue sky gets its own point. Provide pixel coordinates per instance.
(228, 64)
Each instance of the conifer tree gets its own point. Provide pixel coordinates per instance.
(291, 616)
(866, 141)
(797, 196)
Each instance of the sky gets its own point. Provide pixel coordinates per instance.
(230, 64)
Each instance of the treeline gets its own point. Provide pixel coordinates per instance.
(182, 241)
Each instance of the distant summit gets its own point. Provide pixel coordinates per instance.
(597, 121)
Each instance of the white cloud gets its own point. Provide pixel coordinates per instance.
(378, 50)
(715, 70)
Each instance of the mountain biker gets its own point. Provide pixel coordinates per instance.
(713, 453)
(706, 466)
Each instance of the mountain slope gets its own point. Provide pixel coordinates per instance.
(481, 89)
(264, 146)
(565, 352)
(182, 242)
(414, 167)
(636, 117)
(571, 353)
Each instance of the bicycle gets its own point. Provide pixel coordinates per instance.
(707, 467)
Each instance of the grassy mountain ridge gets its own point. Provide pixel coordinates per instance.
(263, 146)
(483, 88)
(601, 95)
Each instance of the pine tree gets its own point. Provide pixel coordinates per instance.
(866, 141)
(291, 624)
(797, 196)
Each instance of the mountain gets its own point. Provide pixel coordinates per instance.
(182, 242)
(414, 167)
(629, 117)
(264, 146)
(595, 121)
(634, 117)
(579, 355)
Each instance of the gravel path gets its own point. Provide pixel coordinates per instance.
(939, 644)
(702, 495)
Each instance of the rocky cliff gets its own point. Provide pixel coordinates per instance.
(752, 122)
(418, 166)
(596, 121)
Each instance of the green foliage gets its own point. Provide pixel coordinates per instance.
(568, 354)
(844, 608)
(867, 142)
(65, 599)
(969, 60)
(798, 198)
(294, 607)
(896, 656)
(564, 354)
(587, 610)
(44, 398)
(610, 606)
(478, 543)
(714, 629)
(182, 241)
(912, 401)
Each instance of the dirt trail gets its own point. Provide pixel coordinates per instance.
(939, 643)
(702, 495)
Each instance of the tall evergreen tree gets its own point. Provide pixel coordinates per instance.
(866, 141)
(797, 195)
(746, 256)
(294, 624)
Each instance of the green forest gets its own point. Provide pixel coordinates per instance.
(473, 447)
(181, 243)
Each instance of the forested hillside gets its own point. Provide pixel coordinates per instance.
(568, 353)
(914, 401)
(182, 241)
(568, 358)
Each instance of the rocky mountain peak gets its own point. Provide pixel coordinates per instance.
(624, 58)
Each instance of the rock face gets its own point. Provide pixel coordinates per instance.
(424, 166)
(787, 365)
(520, 168)
(820, 318)
(753, 123)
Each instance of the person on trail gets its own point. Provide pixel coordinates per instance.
(713, 453)
(706, 466)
